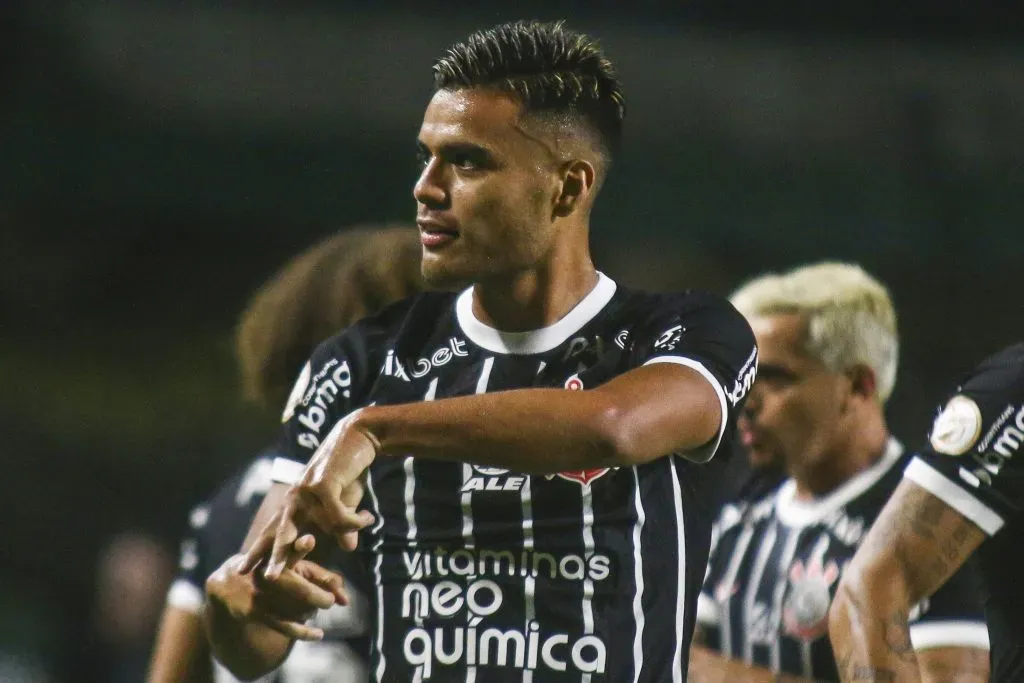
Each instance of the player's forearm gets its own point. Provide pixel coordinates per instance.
(536, 430)
(248, 650)
(181, 652)
(960, 664)
(543, 431)
(707, 666)
(868, 626)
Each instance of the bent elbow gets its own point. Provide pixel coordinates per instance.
(618, 441)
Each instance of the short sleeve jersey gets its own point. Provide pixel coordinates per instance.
(775, 566)
(488, 574)
(973, 462)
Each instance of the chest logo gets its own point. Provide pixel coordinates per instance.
(805, 612)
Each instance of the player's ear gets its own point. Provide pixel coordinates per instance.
(577, 182)
(863, 382)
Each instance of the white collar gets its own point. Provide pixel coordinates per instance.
(533, 341)
(801, 513)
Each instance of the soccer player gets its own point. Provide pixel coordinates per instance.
(530, 449)
(827, 340)
(331, 285)
(962, 493)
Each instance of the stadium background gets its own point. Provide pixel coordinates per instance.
(160, 159)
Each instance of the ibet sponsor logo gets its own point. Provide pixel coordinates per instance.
(332, 380)
(393, 367)
(458, 605)
(493, 479)
(745, 379)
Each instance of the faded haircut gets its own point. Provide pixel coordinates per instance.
(550, 69)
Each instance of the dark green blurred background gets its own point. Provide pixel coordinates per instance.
(159, 160)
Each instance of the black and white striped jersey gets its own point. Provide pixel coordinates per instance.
(217, 528)
(775, 566)
(484, 574)
(973, 462)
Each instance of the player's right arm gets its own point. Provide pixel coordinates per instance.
(710, 667)
(959, 491)
(252, 624)
(180, 652)
(913, 548)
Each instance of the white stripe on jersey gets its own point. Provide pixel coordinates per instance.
(379, 673)
(638, 578)
(785, 562)
(817, 557)
(529, 584)
(729, 583)
(678, 671)
(750, 598)
(588, 551)
(467, 497)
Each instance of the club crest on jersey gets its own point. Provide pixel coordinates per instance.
(805, 612)
(957, 427)
(583, 477)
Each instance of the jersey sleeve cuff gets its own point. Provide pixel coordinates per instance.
(186, 596)
(715, 384)
(936, 483)
(707, 610)
(285, 471)
(949, 634)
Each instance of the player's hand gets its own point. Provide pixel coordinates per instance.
(325, 499)
(283, 604)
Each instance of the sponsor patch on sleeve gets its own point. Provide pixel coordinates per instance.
(957, 427)
(297, 391)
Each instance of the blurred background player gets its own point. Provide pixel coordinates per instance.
(828, 355)
(963, 493)
(332, 285)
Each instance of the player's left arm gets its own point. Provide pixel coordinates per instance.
(692, 363)
(915, 545)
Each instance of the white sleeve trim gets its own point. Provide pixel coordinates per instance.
(707, 610)
(186, 596)
(706, 374)
(949, 634)
(285, 471)
(936, 483)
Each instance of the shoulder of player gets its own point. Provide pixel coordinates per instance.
(641, 307)
(399, 317)
(998, 377)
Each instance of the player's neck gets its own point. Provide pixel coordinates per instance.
(864, 445)
(533, 299)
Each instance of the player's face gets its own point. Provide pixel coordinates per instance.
(792, 415)
(486, 193)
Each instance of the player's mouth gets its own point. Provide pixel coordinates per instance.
(435, 234)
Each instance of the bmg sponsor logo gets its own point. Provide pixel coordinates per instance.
(332, 380)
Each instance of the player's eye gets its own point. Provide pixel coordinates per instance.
(467, 161)
(422, 156)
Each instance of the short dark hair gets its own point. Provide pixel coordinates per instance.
(549, 68)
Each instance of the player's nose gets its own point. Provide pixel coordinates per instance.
(430, 189)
